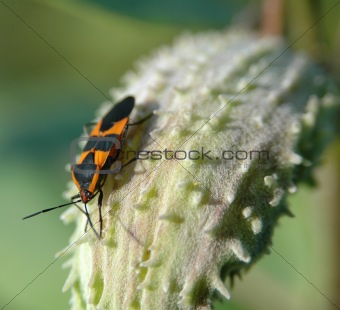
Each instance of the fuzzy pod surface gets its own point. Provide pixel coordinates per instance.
(175, 229)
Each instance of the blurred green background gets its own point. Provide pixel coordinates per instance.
(45, 102)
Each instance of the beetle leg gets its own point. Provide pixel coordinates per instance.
(90, 222)
(140, 121)
(100, 200)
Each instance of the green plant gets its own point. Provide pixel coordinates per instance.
(174, 230)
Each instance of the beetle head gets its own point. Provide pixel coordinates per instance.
(85, 195)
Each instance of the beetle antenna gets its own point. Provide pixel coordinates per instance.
(50, 209)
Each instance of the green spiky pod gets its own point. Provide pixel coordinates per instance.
(175, 229)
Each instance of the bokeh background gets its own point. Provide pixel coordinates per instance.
(44, 102)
